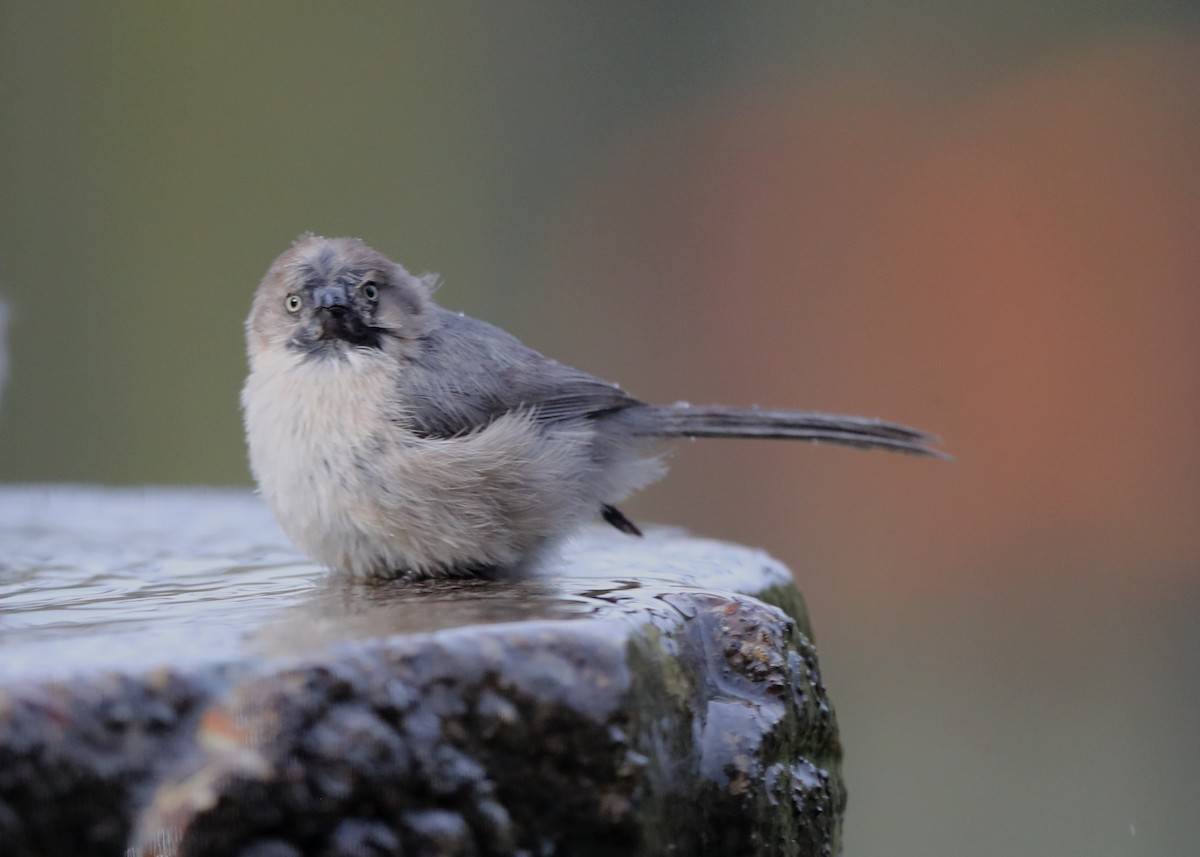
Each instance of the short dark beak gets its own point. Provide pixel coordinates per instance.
(331, 299)
(335, 318)
(333, 312)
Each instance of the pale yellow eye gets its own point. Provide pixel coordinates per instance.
(293, 303)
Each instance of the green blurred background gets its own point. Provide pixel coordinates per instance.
(979, 218)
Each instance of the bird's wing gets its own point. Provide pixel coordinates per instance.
(468, 373)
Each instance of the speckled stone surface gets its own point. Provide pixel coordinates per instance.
(176, 680)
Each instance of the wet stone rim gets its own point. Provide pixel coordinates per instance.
(712, 734)
(681, 718)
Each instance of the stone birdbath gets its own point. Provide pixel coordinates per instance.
(175, 679)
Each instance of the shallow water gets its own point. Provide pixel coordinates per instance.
(92, 578)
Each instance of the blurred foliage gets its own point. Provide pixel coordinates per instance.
(156, 157)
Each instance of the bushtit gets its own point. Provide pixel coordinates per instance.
(394, 438)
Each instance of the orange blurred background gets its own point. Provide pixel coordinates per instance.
(1012, 638)
(1018, 272)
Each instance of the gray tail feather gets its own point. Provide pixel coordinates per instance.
(720, 421)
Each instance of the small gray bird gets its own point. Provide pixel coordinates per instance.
(394, 438)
